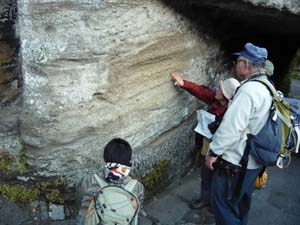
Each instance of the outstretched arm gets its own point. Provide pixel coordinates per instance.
(178, 80)
(199, 91)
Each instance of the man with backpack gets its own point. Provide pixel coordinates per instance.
(112, 197)
(249, 111)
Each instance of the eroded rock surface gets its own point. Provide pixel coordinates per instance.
(94, 70)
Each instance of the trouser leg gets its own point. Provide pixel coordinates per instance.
(206, 179)
(247, 189)
(234, 211)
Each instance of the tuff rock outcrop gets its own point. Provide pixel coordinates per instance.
(94, 70)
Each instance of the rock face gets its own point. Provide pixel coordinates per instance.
(94, 70)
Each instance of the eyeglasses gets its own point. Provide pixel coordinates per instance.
(237, 61)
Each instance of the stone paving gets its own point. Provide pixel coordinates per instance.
(276, 204)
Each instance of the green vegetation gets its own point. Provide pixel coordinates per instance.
(6, 162)
(54, 195)
(9, 164)
(22, 166)
(153, 179)
(50, 190)
(19, 193)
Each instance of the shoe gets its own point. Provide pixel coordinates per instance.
(198, 204)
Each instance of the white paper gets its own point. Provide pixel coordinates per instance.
(204, 118)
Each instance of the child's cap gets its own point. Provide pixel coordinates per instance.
(228, 87)
(269, 67)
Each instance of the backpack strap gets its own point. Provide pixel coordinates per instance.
(268, 85)
(256, 77)
(128, 187)
(102, 184)
(274, 94)
(244, 163)
(297, 130)
(131, 185)
(100, 181)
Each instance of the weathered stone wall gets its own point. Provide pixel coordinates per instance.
(94, 70)
(10, 79)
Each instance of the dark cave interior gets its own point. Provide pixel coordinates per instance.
(235, 23)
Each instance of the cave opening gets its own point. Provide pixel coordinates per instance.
(235, 23)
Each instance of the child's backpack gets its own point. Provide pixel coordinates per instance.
(280, 135)
(113, 205)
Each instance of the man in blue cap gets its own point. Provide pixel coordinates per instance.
(248, 113)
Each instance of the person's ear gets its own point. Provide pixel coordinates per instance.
(247, 64)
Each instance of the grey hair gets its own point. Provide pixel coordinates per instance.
(255, 66)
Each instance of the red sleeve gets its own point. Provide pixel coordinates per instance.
(199, 91)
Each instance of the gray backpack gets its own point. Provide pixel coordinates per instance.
(113, 204)
(280, 136)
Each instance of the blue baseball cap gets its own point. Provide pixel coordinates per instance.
(253, 53)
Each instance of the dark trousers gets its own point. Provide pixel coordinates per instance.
(232, 211)
(206, 179)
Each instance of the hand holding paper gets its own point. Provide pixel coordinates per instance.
(204, 118)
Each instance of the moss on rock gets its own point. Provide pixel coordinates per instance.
(10, 166)
(19, 193)
(22, 166)
(54, 195)
(7, 161)
(50, 190)
(153, 179)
